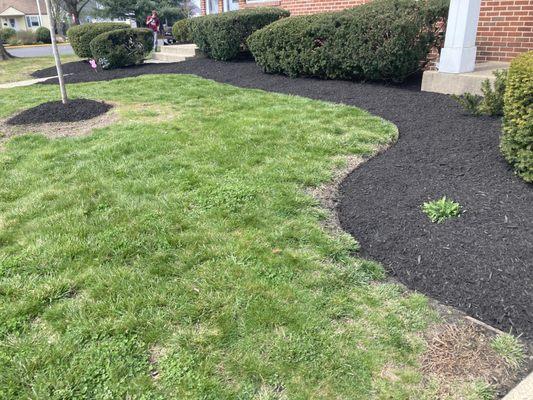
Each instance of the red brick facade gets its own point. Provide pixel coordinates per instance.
(300, 7)
(505, 26)
(505, 29)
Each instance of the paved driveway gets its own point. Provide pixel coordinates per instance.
(39, 51)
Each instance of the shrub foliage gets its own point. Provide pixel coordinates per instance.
(181, 31)
(491, 103)
(42, 34)
(223, 36)
(122, 47)
(80, 36)
(6, 34)
(517, 138)
(380, 40)
(23, 37)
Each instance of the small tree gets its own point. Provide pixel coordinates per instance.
(59, 68)
(74, 8)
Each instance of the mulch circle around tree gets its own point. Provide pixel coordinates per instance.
(480, 262)
(55, 111)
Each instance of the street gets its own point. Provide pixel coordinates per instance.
(46, 50)
(39, 51)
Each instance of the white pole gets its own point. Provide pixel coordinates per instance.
(40, 14)
(56, 57)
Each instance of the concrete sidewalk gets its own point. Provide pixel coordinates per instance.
(29, 82)
(524, 390)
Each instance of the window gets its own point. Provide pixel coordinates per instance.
(32, 21)
(12, 22)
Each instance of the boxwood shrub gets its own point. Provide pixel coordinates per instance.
(6, 34)
(80, 36)
(380, 40)
(223, 36)
(42, 34)
(181, 31)
(517, 138)
(122, 47)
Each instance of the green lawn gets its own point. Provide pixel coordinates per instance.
(19, 69)
(175, 254)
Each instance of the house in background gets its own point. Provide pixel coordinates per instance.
(482, 35)
(23, 15)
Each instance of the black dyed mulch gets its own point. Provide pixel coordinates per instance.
(481, 262)
(81, 71)
(55, 111)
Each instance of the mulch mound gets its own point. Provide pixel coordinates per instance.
(56, 111)
(481, 262)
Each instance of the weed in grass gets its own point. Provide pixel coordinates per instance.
(510, 348)
(440, 210)
(479, 390)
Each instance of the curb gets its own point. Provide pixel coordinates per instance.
(28, 46)
(523, 391)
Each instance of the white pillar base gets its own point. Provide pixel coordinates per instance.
(456, 60)
(459, 53)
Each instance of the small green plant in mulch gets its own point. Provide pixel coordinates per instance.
(470, 102)
(491, 103)
(440, 210)
(510, 348)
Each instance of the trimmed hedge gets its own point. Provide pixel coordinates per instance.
(122, 47)
(181, 31)
(517, 139)
(80, 36)
(42, 34)
(380, 40)
(6, 34)
(23, 37)
(223, 36)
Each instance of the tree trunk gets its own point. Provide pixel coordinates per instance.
(75, 17)
(57, 59)
(4, 55)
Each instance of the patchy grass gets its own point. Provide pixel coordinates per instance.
(510, 348)
(479, 391)
(19, 69)
(175, 254)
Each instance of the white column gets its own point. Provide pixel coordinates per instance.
(459, 52)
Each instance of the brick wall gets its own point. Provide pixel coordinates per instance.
(505, 29)
(300, 7)
(505, 26)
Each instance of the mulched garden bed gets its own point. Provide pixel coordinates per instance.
(55, 111)
(481, 262)
(81, 71)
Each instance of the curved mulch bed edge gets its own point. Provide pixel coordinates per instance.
(55, 111)
(480, 262)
